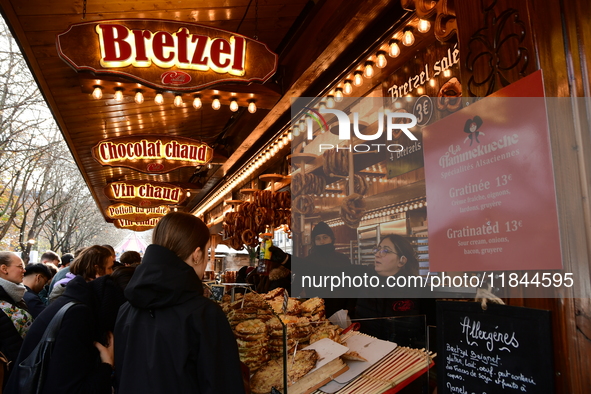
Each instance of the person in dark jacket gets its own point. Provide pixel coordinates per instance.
(82, 357)
(169, 337)
(36, 277)
(15, 320)
(324, 260)
(394, 256)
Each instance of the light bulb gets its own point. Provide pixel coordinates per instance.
(209, 166)
(178, 100)
(408, 38)
(330, 101)
(394, 48)
(368, 71)
(432, 82)
(233, 105)
(322, 105)
(357, 78)
(159, 99)
(252, 107)
(139, 97)
(424, 26)
(347, 87)
(215, 104)
(447, 73)
(296, 130)
(381, 60)
(118, 95)
(197, 102)
(97, 93)
(286, 139)
(290, 136)
(338, 95)
(188, 194)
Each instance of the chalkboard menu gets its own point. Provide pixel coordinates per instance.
(502, 349)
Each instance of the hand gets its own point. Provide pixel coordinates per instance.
(107, 353)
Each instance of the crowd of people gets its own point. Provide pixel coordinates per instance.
(32, 294)
(143, 324)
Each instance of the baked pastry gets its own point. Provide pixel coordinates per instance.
(353, 356)
(271, 374)
(253, 326)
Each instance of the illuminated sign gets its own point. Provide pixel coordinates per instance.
(177, 56)
(136, 214)
(136, 226)
(152, 154)
(145, 194)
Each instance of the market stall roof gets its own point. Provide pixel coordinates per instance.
(308, 36)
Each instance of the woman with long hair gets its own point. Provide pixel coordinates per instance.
(170, 338)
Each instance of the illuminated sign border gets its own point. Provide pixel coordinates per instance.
(151, 162)
(136, 226)
(261, 69)
(134, 213)
(130, 192)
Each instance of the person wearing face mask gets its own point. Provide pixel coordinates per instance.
(394, 256)
(169, 337)
(325, 260)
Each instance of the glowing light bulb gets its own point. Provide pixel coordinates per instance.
(252, 107)
(407, 37)
(347, 87)
(139, 97)
(330, 101)
(215, 104)
(188, 194)
(97, 93)
(368, 71)
(178, 100)
(296, 130)
(197, 102)
(424, 26)
(357, 78)
(118, 95)
(159, 99)
(233, 105)
(394, 49)
(322, 105)
(447, 73)
(381, 60)
(290, 136)
(338, 95)
(432, 82)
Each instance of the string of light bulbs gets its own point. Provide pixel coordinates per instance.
(178, 99)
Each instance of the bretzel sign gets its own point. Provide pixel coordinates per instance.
(163, 54)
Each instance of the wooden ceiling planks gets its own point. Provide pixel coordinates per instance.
(84, 121)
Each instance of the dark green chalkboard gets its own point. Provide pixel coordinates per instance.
(502, 349)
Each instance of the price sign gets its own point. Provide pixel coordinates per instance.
(423, 110)
(490, 185)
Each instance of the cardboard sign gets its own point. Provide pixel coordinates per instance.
(501, 350)
(155, 154)
(145, 194)
(490, 185)
(136, 214)
(171, 55)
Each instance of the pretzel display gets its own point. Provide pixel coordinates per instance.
(352, 210)
(361, 185)
(449, 97)
(335, 162)
(251, 218)
(304, 205)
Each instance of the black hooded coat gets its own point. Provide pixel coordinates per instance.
(75, 365)
(169, 338)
